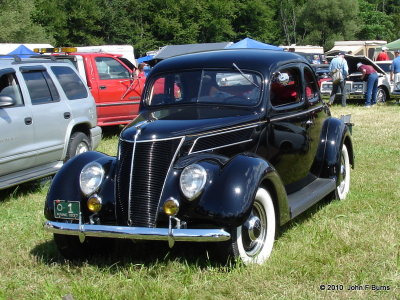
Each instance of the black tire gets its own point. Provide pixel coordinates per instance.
(253, 241)
(78, 143)
(343, 178)
(72, 249)
(381, 95)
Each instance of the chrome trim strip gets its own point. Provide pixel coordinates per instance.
(169, 169)
(219, 133)
(137, 233)
(227, 145)
(153, 140)
(298, 114)
(118, 104)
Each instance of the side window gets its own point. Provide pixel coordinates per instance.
(310, 85)
(40, 86)
(109, 68)
(285, 87)
(9, 86)
(70, 82)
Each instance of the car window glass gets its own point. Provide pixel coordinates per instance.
(9, 86)
(310, 85)
(109, 68)
(285, 87)
(40, 86)
(72, 85)
(217, 87)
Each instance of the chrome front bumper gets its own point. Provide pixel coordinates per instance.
(138, 233)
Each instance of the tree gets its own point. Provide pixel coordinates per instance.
(322, 22)
(18, 25)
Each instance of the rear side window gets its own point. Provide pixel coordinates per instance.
(9, 86)
(70, 82)
(286, 87)
(40, 86)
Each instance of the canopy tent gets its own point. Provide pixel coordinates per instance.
(395, 45)
(22, 51)
(250, 43)
(145, 58)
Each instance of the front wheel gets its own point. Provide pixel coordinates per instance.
(381, 95)
(78, 143)
(252, 242)
(343, 181)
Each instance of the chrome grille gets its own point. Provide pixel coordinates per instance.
(138, 197)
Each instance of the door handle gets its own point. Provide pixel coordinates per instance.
(28, 120)
(67, 115)
(102, 87)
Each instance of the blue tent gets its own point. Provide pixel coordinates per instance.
(250, 43)
(22, 51)
(145, 58)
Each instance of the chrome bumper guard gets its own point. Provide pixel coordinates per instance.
(138, 233)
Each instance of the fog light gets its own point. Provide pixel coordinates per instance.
(171, 207)
(94, 203)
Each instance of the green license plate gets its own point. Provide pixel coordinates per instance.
(66, 209)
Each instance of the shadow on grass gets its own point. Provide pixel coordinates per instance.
(111, 131)
(126, 253)
(149, 254)
(24, 189)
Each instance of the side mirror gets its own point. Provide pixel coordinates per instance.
(6, 101)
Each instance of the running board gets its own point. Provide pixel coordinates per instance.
(309, 195)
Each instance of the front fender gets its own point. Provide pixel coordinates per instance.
(229, 193)
(65, 185)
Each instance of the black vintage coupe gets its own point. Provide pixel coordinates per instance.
(228, 146)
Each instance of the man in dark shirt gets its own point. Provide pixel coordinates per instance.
(369, 75)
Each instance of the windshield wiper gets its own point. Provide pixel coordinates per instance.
(244, 75)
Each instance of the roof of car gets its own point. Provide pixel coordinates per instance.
(253, 59)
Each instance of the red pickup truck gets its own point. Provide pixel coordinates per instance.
(112, 82)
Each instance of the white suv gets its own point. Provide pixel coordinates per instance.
(47, 115)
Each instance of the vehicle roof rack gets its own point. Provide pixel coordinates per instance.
(16, 57)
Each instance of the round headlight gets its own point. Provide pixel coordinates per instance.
(91, 177)
(192, 181)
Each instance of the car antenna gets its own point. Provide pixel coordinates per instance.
(248, 79)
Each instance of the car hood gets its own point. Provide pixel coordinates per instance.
(181, 121)
(353, 60)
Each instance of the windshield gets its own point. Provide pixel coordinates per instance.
(216, 87)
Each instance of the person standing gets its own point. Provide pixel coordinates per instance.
(395, 68)
(340, 64)
(369, 74)
(383, 54)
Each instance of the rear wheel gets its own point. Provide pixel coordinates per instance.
(252, 242)
(343, 181)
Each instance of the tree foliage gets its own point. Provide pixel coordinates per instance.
(149, 24)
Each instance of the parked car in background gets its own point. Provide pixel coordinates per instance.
(47, 116)
(355, 87)
(228, 146)
(111, 81)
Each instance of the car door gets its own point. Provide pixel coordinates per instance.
(16, 139)
(291, 147)
(118, 94)
(50, 114)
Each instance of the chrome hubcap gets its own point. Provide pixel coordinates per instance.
(254, 230)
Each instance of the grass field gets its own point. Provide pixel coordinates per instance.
(337, 244)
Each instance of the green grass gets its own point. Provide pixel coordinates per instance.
(350, 242)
